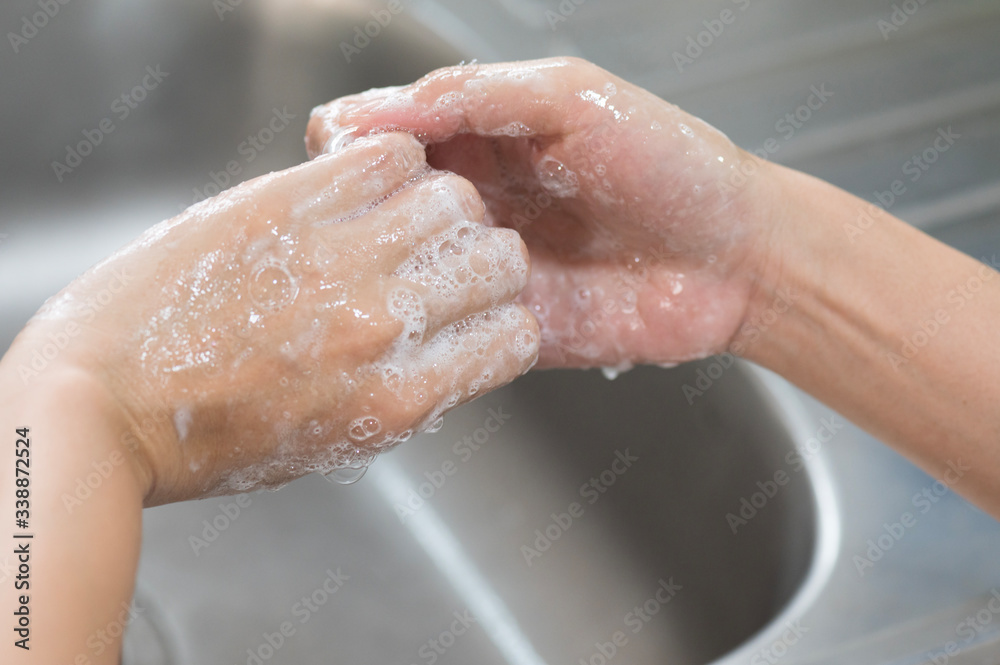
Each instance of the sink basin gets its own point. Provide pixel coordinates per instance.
(556, 512)
(563, 519)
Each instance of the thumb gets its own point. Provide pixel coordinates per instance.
(504, 99)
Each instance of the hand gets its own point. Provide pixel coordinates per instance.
(645, 236)
(303, 321)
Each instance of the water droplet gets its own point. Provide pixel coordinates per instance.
(685, 130)
(364, 428)
(555, 178)
(613, 372)
(339, 139)
(272, 286)
(392, 377)
(347, 475)
(436, 426)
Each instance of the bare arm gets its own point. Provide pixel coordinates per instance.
(76, 574)
(892, 328)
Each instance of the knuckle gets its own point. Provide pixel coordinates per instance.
(522, 251)
(577, 62)
(444, 73)
(465, 194)
(529, 323)
(517, 262)
(315, 134)
(387, 152)
(403, 152)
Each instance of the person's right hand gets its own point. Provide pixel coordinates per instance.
(645, 238)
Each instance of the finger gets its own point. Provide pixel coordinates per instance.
(335, 137)
(346, 184)
(468, 268)
(389, 232)
(505, 99)
(464, 360)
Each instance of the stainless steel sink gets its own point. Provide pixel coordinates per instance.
(563, 519)
(508, 532)
(557, 512)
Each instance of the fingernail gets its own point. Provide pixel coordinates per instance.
(340, 138)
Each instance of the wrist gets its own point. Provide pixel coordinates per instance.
(788, 265)
(85, 409)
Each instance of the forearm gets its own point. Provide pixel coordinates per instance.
(84, 514)
(890, 327)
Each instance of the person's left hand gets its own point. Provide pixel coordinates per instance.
(303, 321)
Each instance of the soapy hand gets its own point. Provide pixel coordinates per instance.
(303, 321)
(645, 237)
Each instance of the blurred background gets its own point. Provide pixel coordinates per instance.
(896, 73)
(117, 114)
